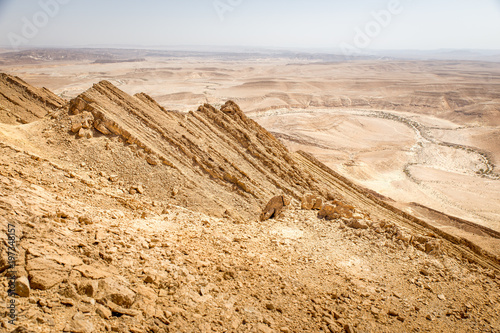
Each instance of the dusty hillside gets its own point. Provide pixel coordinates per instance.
(23, 103)
(214, 160)
(131, 218)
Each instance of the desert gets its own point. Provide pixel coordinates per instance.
(168, 191)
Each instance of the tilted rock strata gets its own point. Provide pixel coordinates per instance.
(223, 144)
(23, 103)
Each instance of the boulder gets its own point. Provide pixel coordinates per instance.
(327, 212)
(307, 201)
(335, 210)
(311, 201)
(274, 207)
(85, 133)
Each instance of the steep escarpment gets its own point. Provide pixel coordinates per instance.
(23, 103)
(211, 154)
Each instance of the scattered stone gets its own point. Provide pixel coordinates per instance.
(45, 280)
(403, 236)
(115, 292)
(349, 329)
(318, 203)
(270, 306)
(139, 188)
(92, 272)
(433, 246)
(62, 214)
(79, 324)
(85, 133)
(152, 160)
(149, 279)
(327, 212)
(69, 291)
(22, 329)
(263, 328)
(441, 297)
(268, 320)
(308, 201)
(23, 287)
(357, 216)
(311, 201)
(113, 178)
(88, 288)
(335, 210)
(425, 272)
(103, 311)
(67, 302)
(85, 220)
(75, 127)
(357, 224)
(101, 127)
(393, 313)
(84, 308)
(121, 310)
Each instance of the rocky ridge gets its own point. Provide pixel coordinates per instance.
(23, 103)
(221, 145)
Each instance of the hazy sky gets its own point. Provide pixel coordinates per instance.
(328, 24)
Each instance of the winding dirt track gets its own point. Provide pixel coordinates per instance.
(367, 202)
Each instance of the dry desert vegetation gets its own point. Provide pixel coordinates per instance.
(155, 191)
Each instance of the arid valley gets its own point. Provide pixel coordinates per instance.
(137, 178)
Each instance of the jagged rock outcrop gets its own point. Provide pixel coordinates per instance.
(311, 201)
(216, 151)
(22, 103)
(335, 210)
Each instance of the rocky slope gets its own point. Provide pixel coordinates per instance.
(23, 103)
(220, 161)
(131, 218)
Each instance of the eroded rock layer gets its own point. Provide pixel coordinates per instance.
(215, 152)
(23, 103)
